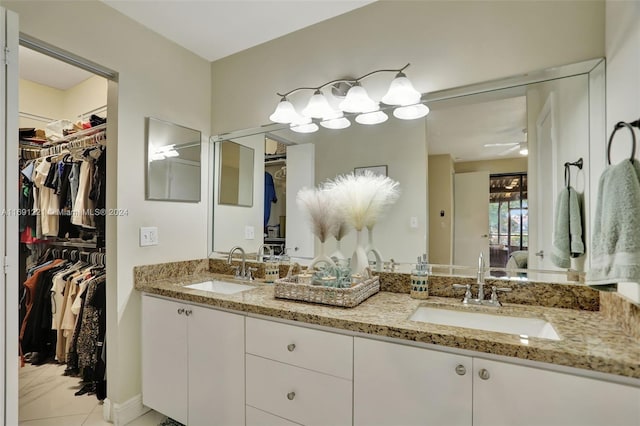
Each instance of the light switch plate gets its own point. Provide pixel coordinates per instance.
(249, 232)
(148, 236)
(413, 222)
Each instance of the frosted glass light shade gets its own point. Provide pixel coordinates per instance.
(357, 100)
(336, 123)
(375, 117)
(305, 128)
(318, 106)
(411, 112)
(401, 92)
(285, 113)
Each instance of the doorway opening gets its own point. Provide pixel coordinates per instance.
(62, 146)
(508, 218)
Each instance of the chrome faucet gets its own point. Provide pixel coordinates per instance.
(261, 250)
(468, 298)
(240, 272)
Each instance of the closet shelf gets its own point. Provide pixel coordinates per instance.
(76, 135)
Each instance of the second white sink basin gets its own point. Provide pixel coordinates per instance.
(524, 327)
(223, 287)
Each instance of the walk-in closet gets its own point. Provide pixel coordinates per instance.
(63, 148)
(275, 205)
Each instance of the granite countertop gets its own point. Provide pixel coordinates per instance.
(588, 340)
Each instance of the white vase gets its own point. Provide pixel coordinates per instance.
(370, 249)
(321, 258)
(338, 253)
(359, 259)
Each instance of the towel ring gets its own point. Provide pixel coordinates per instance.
(618, 126)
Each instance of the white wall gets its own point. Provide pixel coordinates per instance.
(623, 86)
(448, 43)
(156, 78)
(59, 104)
(401, 146)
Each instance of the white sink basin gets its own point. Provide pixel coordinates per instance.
(223, 287)
(524, 327)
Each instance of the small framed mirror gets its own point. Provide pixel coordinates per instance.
(235, 174)
(173, 162)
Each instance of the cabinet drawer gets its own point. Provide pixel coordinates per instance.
(257, 417)
(317, 350)
(296, 394)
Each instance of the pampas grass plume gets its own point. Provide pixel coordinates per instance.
(320, 210)
(362, 199)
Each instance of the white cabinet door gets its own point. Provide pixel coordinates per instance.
(397, 385)
(513, 395)
(216, 367)
(164, 357)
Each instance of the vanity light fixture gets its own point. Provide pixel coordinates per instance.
(162, 152)
(401, 94)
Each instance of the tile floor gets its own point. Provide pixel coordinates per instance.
(47, 399)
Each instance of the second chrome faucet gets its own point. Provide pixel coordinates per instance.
(480, 300)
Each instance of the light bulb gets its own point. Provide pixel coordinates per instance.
(401, 92)
(357, 100)
(375, 117)
(318, 106)
(336, 123)
(411, 112)
(285, 113)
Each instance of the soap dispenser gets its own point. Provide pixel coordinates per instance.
(420, 279)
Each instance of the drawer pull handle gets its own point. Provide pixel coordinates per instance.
(484, 374)
(460, 370)
(188, 312)
(291, 395)
(180, 311)
(291, 347)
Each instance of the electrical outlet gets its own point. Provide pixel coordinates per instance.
(249, 232)
(148, 236)
(413, 222)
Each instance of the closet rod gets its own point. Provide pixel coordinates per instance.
(103, 108)
(73, 244)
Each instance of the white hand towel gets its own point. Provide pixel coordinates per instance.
(616, 226)
(567, 232)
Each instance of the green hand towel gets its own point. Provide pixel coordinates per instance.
(616, 226)
(567, 232)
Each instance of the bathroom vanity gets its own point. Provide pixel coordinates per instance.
(248, 358)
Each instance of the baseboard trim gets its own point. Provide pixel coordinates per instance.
(121, 414)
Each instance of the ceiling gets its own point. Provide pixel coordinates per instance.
(48, 71)
(214, 29)
(211, 29)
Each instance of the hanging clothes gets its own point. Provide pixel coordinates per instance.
(269, 196)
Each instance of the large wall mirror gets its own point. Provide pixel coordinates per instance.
(480, 173)
(173, 162)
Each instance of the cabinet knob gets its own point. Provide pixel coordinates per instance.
(484, 374)
(188, 312)
(460, 370)
(291, 347)
(291, 395)
(180, 311)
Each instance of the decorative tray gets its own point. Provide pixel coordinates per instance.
(289, 288)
